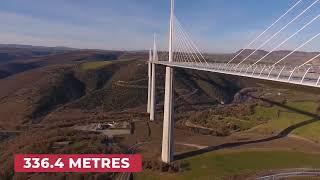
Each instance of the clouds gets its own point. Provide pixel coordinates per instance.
(216, 26)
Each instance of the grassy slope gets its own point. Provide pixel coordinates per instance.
(217, 165)
(93, 65)
(288, 118)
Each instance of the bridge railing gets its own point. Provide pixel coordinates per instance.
(304, 75)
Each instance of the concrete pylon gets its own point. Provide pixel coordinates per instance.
(153, 82)
(149, 81)
(153, 92)
(168, 119)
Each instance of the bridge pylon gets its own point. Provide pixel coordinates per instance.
(149, 81)
(168, 121)
(153, 82)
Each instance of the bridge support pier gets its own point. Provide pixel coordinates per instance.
(168, 121)
(149, 82)
(168, 116)
(153, 92)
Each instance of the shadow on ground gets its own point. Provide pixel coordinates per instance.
(282, 134)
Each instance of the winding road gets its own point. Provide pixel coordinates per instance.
(291, 173)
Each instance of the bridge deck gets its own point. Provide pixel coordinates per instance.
(306, 77)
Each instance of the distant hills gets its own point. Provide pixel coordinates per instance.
(296, 58)
(18, 52)
(21, 46)
(15, 58)
(19, 58)
(12, 52)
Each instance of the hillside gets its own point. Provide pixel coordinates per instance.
(13, 52)
(295, 59)
(37, 92)
(16, 59)
(43, 102)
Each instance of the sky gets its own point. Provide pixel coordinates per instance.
(214, 25)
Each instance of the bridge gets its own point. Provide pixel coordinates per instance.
(183, 53)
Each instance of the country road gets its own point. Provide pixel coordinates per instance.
(291, 173)
(131, 150)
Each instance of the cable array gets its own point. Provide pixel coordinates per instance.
(187, 54)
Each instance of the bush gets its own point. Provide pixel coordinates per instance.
(162, 167)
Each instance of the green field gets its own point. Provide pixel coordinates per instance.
(282, 118)
(218, 165)
(223, 164)
(93, 65)
(100, 64)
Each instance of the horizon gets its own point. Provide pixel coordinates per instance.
(134, 22)
(147, 50)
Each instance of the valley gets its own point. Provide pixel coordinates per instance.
(220, 119)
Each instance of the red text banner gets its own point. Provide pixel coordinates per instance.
(77, 163)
